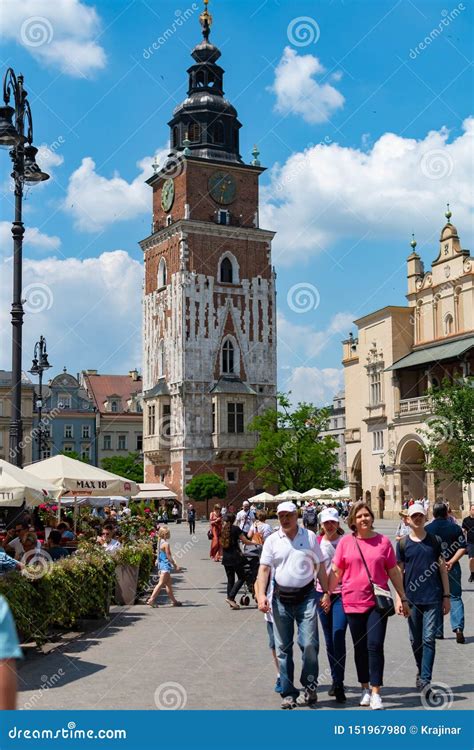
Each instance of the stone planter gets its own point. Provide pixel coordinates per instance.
(126, 582)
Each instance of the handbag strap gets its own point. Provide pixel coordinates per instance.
(365, 564)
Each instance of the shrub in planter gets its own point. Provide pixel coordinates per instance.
(134, 566)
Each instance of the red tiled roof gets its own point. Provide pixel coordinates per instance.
(100, 387)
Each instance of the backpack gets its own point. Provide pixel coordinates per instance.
(310, 517)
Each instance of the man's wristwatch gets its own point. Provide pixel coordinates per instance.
(446, 596)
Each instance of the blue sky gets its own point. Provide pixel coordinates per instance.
(362, 113)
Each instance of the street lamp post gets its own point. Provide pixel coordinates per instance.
(39, 365)
(13, 123)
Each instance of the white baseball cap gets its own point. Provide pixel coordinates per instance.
(416, 508)
(329, 514)
(287, 507)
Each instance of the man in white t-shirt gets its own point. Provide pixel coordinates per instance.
(245, 517)
(292, 556)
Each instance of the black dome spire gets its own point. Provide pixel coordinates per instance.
(205, 119)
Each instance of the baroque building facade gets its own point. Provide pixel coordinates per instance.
(209, 295)
(398, 354)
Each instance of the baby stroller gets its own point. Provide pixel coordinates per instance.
(251, 563)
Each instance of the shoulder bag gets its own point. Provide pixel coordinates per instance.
(383, 597)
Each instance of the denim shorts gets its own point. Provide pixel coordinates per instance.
(271, 637)
(470, 549)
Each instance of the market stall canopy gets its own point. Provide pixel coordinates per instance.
(344, 494)
(262, 497)
(288, 495)
(312, 494)
(78, 478)
(156, 491)
(93, 502)
(18, 486)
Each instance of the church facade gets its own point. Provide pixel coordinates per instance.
(209, 310)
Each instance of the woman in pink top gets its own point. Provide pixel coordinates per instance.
(367, 626)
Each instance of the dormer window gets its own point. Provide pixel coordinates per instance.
(217, 133)
(169, 220)
(223, 217)
(114, 406)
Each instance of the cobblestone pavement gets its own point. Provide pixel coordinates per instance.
(206, 656)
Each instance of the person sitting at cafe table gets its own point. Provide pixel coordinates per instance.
(66, 534)
(14, 538)
(107, 538)
(7, 563)
(31, 547)
(55, 550)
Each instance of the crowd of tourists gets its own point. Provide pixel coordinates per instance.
(299, 574)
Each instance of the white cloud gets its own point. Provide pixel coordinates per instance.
(95, 201)
(60, 34)
(32, 237)
(299, 344)
(314, 385)
(48, 159)
(297, 91)
(400, 185)
(89, 310)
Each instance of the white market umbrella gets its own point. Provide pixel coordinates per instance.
(288, 495)
(312, 494)
(344, 493)
(78, 478)
(262, 497)
(18, 486)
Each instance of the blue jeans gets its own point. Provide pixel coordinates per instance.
(422, 628)
(305, 617)
(457, 606)
(334, 626)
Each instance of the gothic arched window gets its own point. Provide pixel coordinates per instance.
(194, 132)
(227, 272)
(162, 274)
(200, 78)
(228, 357)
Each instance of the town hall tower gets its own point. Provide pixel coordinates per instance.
(209, 295)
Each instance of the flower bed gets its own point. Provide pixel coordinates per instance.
(68, 590)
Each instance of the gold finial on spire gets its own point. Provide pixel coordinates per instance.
(448, 214)
(205, 19)
(413, 241)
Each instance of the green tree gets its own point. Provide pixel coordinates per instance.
(130, 467)
(205, 487)
(448, 433)
(291, 452)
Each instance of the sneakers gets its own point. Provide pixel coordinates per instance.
(307, 698)
(418, 681)
(459, 636)
(471, 578)
(365, 697)
(339, 694)
(232, 604)
(278, 685)
(376, 702)
(288, 702)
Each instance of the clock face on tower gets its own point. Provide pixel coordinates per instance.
(167, 195)
(222, 187)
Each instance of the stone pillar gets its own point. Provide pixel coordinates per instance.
(353, 489)
(397, 492)
(430, 487)
(396, 393)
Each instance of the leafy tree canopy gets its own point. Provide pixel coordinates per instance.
(291, 452)
(205, 487)
(130, 467)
